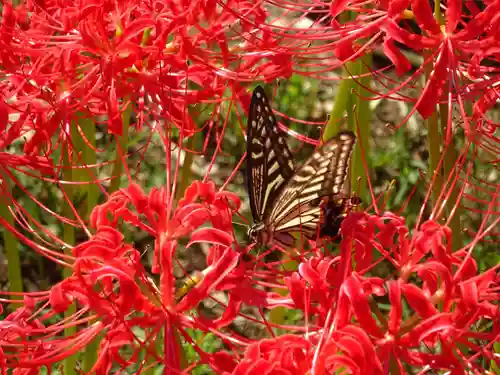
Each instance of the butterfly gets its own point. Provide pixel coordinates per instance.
(286, 199)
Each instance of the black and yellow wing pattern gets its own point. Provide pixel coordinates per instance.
(285, 199)
(269, 162)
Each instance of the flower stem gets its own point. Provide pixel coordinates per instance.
(11, 244)
(449, 161)
(359, 122)
(434, 141)
(121, 150)
(342, 100)
(185, 176)
(359, 119)
(83, 137)
(69, 238)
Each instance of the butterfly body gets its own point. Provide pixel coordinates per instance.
(285, 199)
(334, 212)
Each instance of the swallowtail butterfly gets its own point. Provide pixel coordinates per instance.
(285, 199)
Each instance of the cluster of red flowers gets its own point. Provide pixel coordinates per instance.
(437, 298)
(66, 63)
(102, 57)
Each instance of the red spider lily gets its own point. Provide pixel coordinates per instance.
(453, 45)
(111, 285)
(427, 295)
(286, 354)
(437, 298)
(457, 45)
(101, 59)
(289, 354)
(201, 205)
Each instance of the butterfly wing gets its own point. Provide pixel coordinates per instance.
(269, 162)
(298, 207)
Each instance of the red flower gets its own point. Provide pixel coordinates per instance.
(100, 60)
(427, 295)
(287, 354)
(201, 204)
(111, 286)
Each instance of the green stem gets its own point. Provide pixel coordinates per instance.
(495, 369)
(449, 161)
(121, 151)
(184, 179)
(435, 141)
(360, 121)
(83, 138)
(438, 15)
(69, 238)
(342, 99)
(11, 244)
(90, 356)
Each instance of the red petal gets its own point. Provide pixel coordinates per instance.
(344, 50)
(198, 190)
(217, 272)
(59, 298)
(424, 16)
(295, 285)
(478, 24)
(435, 324)
(473, 8)
(337, 7)
(398, 59)
(224, 362)
(211, 235)
(4, 116)
(353, 290)
(192, 215)
(469, 294)
(206, 191)
(426, 105)
(413, 41)
(485, 103)
(453, 15)
(418, 300)
(396, 7)
(228, 200)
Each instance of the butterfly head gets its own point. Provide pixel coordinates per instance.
(256, 232)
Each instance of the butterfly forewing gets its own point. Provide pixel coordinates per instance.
(298, 207)
(269, 161)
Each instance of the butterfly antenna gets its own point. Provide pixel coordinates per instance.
(237, 223)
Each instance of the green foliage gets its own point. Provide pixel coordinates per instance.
(208, 343)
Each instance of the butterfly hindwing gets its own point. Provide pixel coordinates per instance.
(298, 208)
(269, 160)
